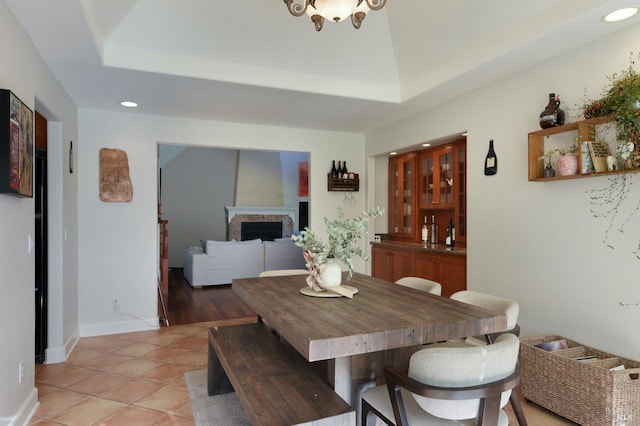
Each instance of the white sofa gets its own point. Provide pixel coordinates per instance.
(222, 261)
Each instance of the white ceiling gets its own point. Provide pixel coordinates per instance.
(251, 61)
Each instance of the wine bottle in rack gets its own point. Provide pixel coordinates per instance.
(339, 169)
(425, 232)
(448, 241)
(334, 171)
(434, 230)
(345, 172)
(491, 162)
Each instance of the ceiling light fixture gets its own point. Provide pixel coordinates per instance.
(334, 10)
(620, 14)
(128, 104)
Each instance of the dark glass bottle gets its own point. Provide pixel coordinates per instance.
(552, 114)
(449, 240)
(345, 172)
(491, 161)
(339, 169)
(334, 171)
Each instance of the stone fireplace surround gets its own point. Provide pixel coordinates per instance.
(236, 215)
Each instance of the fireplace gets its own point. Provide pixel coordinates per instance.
(266, 231)
(240, 217)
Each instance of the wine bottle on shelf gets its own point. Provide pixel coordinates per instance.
(334, 171)
(491, 162)
(425, 232)
(434, 230)
(448, 241)
(339, 169)
(345, 172)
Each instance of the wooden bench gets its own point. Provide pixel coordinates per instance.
(274, 383)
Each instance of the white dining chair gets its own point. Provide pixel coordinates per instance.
(448, 385)
(421, 284)
(511, 309)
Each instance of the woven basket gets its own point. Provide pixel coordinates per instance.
(586, 392)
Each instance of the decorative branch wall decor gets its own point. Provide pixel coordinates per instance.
(115, 183)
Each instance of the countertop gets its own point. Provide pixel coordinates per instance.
(420, 247)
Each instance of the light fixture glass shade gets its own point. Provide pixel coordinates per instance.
(620, 14)
(334, 10)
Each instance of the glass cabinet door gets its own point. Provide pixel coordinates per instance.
(445, 161)
(401, 195)
(427, 178)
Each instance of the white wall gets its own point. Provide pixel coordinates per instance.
(198, 183)
(118, 242)
(537, 242)
(23, 72)
(196, 186)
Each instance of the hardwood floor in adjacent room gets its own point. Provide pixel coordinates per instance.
(188, 305)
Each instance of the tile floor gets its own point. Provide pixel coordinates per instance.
(138, 379)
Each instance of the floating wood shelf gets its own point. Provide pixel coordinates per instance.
(585, 132)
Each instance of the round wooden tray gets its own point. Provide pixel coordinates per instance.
(308, 291)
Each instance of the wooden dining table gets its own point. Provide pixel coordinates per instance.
(382, 325)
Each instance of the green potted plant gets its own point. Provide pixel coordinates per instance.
(621, 98)
(342, 245)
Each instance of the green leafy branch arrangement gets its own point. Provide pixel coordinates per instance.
(620, 97)
(343, 242)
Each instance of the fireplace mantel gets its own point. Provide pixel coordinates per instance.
(236, 215)
(231, 211)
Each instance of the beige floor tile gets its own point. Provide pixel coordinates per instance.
(134, 416)
(132, 390)
(166, 373)
(192, 343)
(192, 359)
(167, 399)
(89, 412)
(103, 343)
(67, 376)
(45, 389)
(55, 402)
(137, 349)
(173, 420)
(106, 362)
(186, 330)
(80, 355)
(98, 384)
(185, 411)
(164, 353)
(135, 367)
(165, 339)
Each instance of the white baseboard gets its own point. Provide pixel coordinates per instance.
(103, 329)
(60, 354)
(26, 411)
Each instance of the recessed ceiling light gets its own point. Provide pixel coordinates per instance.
(128, 104)
(620, 14)
(393, 153)
(464, 134)
(426, 144)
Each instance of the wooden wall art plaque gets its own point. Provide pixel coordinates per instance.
(115, 183)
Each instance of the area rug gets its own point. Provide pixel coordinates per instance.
(220, 410)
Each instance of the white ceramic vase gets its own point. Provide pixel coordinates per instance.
(330, 274)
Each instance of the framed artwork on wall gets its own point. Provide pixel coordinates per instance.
(16, 146)
(303, 187)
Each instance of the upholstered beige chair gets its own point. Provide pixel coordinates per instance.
(509, 307)
(448, 385)
(282, 272)
(421, 284)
